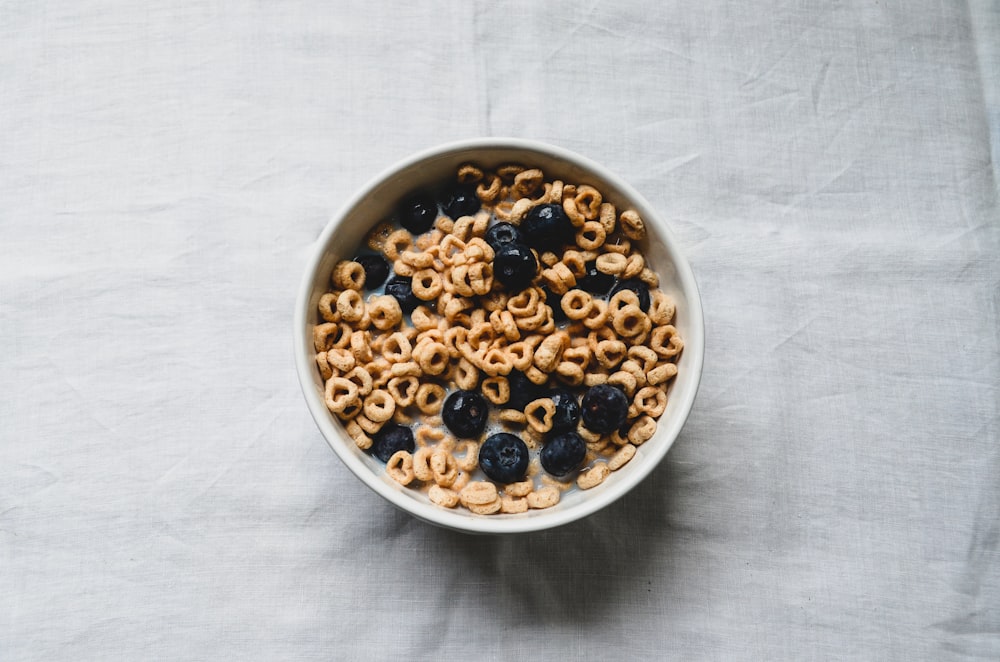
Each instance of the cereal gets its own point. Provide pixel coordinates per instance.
(593, 476)
(380, 365)
(400, 467)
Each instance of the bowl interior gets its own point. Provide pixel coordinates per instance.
(375, 202)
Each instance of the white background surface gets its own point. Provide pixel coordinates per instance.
(166, 167)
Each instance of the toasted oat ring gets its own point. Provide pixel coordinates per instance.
(486, 508)
(512, 505)
(535, 321)
(662, 373)
(340, 393)
(328, 336)
(631, 224)
(622, 246)
(559, 278)
(540, 414)
(597, 316)
(403, 389)
(469, 173)
(417, 259)
(550, 351)
(497, 362)
(621, 299)
(651, 401)
(591, 235)
(621, 457)
(633, 266)
(666, 342)
(466, 375)
(361, 378)
(361, 346)
(327, 307)
(385, 312)
(481, 277)
(570, 372)
(400, 467)
(645, 355)
(527, 182)
(610, 353)
(524, 304)
(593, 476)
(443, 467)
(626, 381)
(521, 489)
(478, 493)
(488, 190)
(405, 369)
(661, 308)
(432, 357)
(588, 200)
(521, 354)
(379, 406)
(421, 463)
(496, 389)
(426, 284)
(429, 398)
(326, 371)
(514, 416)
(630, 321)
(607, 216)
(642, 430)
(396, 243)
(468, 459)
(348, 275)
(341, 359)
(544, 497)
(381, 371)
(350, 305)
(442, 496)
(396, 348)
(611, 263)
(577, 304)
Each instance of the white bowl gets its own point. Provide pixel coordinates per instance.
(375, 201)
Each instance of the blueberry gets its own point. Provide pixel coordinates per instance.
(594, 281)
(465, 413)
(390, 439)
(417, 212)
(567, 410)
(640, 288)
(523, 390)
(503, 457)
(604, 408)
(563, 453)
(376, 270)
(547, 228)
(402, 288)
(554, 301)
(460, 200)
(515, 266)
(503, 233)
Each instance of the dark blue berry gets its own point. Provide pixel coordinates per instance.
(418, 212)
(390, 439)
(515, 266)
(376, 270)
(523, 390)
(604, 408)
(465, 413)
(503, 457)
(563, 453)
(594, 281)
(503, 233)
(567, 410)
(547, 228)
(554, 301)
(640, 288)
(460, 200)
(402, 288)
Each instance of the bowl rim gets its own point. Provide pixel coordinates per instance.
(694, 350)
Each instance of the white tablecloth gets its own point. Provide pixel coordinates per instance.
(830, 169)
